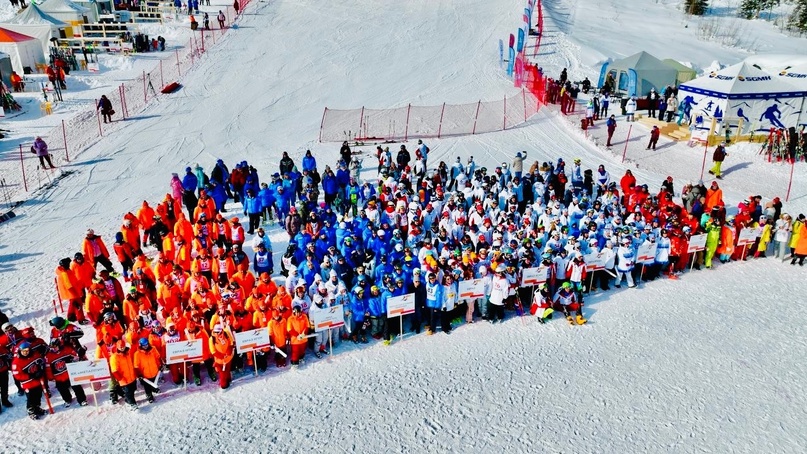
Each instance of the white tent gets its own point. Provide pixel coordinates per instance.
(22, 49)
(67, 11)
(5, 69)
(761, 99)
(32, 21)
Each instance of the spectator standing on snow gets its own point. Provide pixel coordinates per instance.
(652, 103)
(630, 108)
(105, 105)
(717, 157)
(611, 125)
(654, 135)
(672, 107)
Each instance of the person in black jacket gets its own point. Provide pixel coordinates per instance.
(419, 289)
(105, 105)
(286, 164)
(345, 153)
(403, 157)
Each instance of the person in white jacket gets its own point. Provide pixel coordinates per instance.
(663, 245)
(317, 312)
(624, 266)
(499, 291)
(630, 108)
(781, 237)
(450, 298)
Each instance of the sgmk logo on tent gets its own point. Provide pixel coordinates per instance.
(742, 78)
(714, 75)
(793, 75)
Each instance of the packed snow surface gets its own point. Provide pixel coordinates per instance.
(710, 362)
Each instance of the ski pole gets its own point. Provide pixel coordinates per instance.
(47, 397)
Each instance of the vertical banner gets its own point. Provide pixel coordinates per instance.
(603, 73)
(633, 82)
(512, 40)
(518, 79)
(511, 62)
(520, 45)
(501, 54)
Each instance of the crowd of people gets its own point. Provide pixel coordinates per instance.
(358, 239)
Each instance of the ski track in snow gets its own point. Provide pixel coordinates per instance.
(712, 362)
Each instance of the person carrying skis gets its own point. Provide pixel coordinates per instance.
(147, 364)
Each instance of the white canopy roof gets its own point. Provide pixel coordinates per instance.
(743, 81)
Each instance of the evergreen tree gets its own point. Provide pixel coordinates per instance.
(798, 20)
(696, 7)
(749, 9)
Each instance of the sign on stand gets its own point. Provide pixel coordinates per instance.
(88, 372)
(696, 243)
(534, 276)
(180, 352)
(249, 341)
(471, 289)
(647, 253)
(398, 306)
(334, 317)
(595, 261)
(747, 236)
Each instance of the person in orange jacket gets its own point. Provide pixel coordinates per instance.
(267, 286)
(95, 251)
(237, 232)
(145, 215)
(279, 337)
(147, 364)
(94, 301)
(169, 245)
(178, 319)
(84, 272)
(297, 327)
(69, 290)
(58, 357)
(169, 297)
(131, 232)
(195, 331)
(714, 197)
(183, 255)
(222, 347)
(255, 299)
(183, 229)
(204, 264)
(162, 267)
(110, 326)
(172, 334)
(113, 288)
(244, 278)
(125, 253)
(122, 369)
(223, 265)
(726, 246)
(222, 233)
(134, 333)
(282, 301)
(206, 207)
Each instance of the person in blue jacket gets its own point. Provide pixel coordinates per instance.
(342, 178)
(253, 181)
(359, 314)
(263, 261)
(218, 194)
(309, 162)
(434, 302)
(378, 312)
(308, 269)
(330, 187)
(267, 197)
(253, 209)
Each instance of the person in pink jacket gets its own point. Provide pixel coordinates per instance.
(176, 187)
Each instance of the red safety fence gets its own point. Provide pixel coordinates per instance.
(20, 170)
(408, 122)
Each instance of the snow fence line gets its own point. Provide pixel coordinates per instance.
(408, 122)
(20, 172)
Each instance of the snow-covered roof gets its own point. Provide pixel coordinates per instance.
(62, 6)
(33, 15)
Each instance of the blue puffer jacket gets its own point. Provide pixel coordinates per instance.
(309, 163)
(357, 305)
(375, 305)
(252, 205)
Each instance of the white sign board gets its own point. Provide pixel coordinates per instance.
(747, 236)
(84, 372)
(534, 276)
(333, 317)
(179, 352)
(401, 305)
(697, 243)
(471, 289)
(647, 253)
(595, 261)
(93, 67)
(254, 339)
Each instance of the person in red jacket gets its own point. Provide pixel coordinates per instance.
(5, 364)
(69, 334)
(125, 253)
(59, 355)
(29, 369)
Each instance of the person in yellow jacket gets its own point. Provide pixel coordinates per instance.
(147, 364)
(123, 371)
(222, 347)
(796, 235)
(765, 237)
